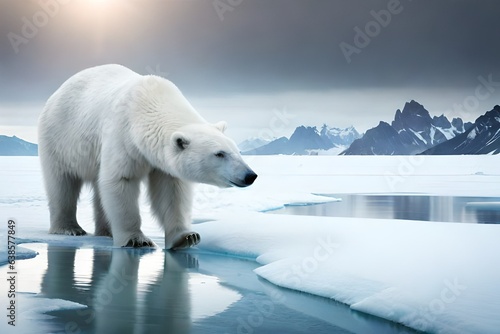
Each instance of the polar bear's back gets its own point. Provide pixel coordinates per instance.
(105, 104)
(91, 91)
(88, 96)
(71, 124)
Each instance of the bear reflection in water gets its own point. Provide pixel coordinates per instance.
(116, 301)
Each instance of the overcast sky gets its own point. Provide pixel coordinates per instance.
(265, 66)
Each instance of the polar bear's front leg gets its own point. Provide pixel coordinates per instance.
(120, 199)
(171, 201)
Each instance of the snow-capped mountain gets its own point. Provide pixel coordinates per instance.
(483, 137)
(412, 131)
(252, 143)
(380, 140)
(340, 137)
(277, 146)
(14, 146)
(308, 140)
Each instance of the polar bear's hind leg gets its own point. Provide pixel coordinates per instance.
(63, 193)
(102, 225)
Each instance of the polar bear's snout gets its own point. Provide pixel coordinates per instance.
(246, 181)
(249, 178)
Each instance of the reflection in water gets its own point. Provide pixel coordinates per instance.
(485, 210)
(152, 291)
(120, 302)
(173, 310)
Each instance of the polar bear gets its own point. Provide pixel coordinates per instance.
(113, 128)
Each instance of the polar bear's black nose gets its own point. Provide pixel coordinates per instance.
(249, 178)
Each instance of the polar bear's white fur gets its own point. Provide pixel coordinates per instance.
(113, 128)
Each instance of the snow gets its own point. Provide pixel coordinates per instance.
(450, 132)
(253, 143)
(336, 150)
(32, 311)
(21, 253)
(34, 306)
(419, 136)
(342, 133)
(493, 138)
(472, 134)
(432, 134)
(431, 276)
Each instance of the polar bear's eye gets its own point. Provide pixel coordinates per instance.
(220, 154)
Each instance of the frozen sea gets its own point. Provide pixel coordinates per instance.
(323, 244)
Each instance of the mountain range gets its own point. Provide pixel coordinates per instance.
(253, 143)
(412, 131)
(14, 146)
(308, 140)
(483, 137)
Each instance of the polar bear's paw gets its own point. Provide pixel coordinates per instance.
(186, 240)
(140, 241)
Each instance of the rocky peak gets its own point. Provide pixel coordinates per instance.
(414, 116)
(482, 137)
(308, 138)
(490, 118)
(441, 121)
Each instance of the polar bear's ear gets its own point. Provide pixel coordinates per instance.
(222, 126)
(179, 140)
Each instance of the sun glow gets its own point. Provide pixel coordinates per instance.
(97, 22)
(99, 9)
(99, 16)
(100, 4)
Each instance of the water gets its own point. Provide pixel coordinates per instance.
(482, 210)
(154, 291)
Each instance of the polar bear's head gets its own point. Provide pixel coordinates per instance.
(202, 153)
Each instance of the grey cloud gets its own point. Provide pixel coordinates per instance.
(262, 46)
